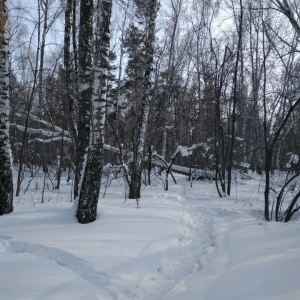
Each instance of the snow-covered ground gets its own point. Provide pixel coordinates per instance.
(186, 243)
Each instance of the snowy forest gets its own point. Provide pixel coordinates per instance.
(186, 109)
(211, 86)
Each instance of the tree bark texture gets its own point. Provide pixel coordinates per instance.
(135, 185)
(67, 64)
(235, 87)
(6, 179)
(91, 181)
(85, 86)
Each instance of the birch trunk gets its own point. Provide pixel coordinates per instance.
(6, 179)
(91, 180)
(42, 6)
(135, 184)
(85, 90)
(67, 64)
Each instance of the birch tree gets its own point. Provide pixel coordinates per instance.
(6, 180)
(176, 8)
(91, 177)
(69, 19)
(135, 184)
(85, 91)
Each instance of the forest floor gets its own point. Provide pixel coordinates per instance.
(185, 243)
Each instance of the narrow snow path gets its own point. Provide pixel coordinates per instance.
(207, 237)
(196, 244)
(253, 260)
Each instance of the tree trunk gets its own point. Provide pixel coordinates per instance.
(6, 179)
(291, 210)
(75, 50)
(85, 90)
(30, 102)
(42, 6)
(220, 163)
(270, 141)
(235, 83)
(67, 65)
(91, 181)
(135, 185)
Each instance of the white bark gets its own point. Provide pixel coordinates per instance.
(135, 184)
(89, 187)
(4, 80)
(6, 181)
(147, 84)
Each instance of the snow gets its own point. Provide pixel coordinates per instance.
(182, 150)
(186, 243)
(244, 165)
(294, 159)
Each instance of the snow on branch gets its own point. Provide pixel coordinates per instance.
(54, 139)
(183, 150)
(293, 159)
(46, 124)
(43, 132)
(186, 151)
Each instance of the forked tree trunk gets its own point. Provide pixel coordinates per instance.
(6, 179)
(91, 177)
(218, 130)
